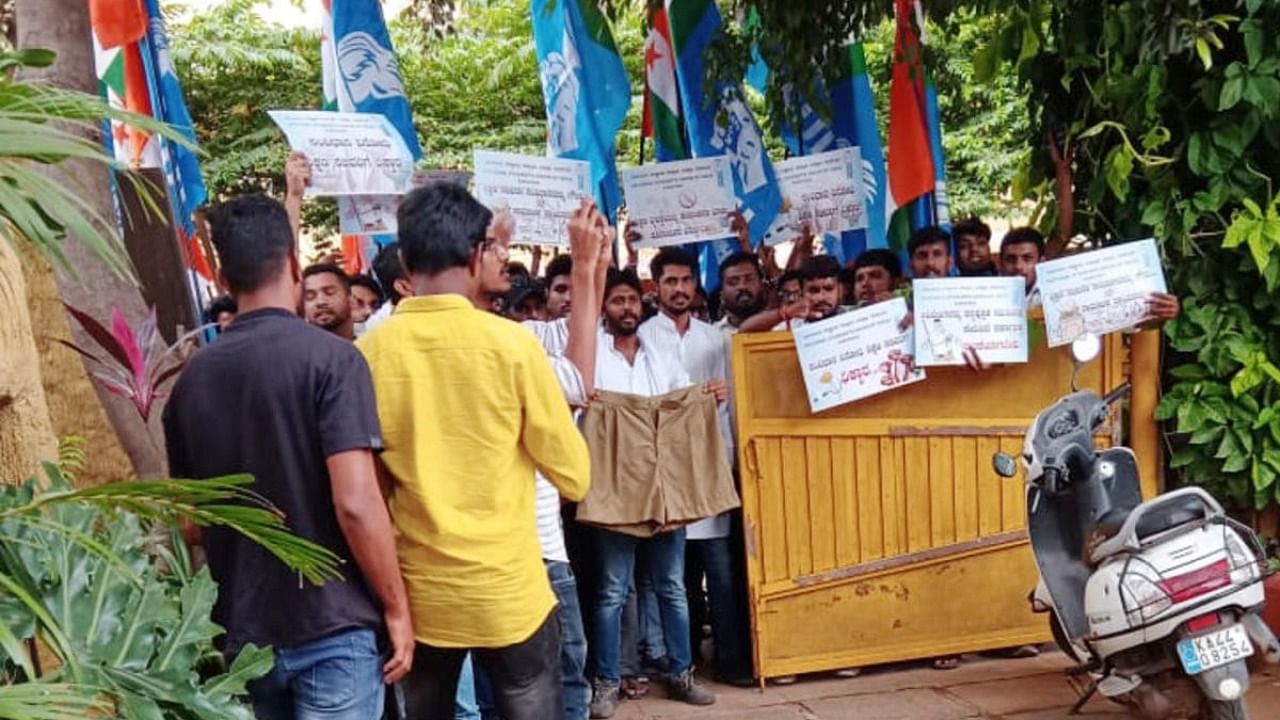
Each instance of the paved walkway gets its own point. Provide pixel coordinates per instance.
(980, 689)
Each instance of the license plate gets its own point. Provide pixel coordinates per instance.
(1210, 650)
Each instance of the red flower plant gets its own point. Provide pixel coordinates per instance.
(137, 362)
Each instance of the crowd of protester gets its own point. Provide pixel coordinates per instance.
(531, 474)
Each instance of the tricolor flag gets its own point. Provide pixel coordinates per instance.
(663, 119)
(911, 166)
(135, 72)
(585, 88)
(720, 125)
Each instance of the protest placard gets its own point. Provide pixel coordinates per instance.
(426, 177)
(825, 190)
(350, 153)
(987, 314)
(685, 201)
(1099, 291)
(856, 355)
(376, 214)
(540, 192)
(367, 214)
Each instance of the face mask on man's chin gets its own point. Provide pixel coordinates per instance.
(359, 329)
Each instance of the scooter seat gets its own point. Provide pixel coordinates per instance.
(1161, 515)
(1167, 514)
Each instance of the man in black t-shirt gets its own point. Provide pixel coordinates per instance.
(293, 406)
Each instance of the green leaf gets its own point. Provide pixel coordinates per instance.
(1254, 38)
(985, 61)
(1189, 371)
(1191, 416)
(250, 664)
(1261, 91)
(1202, 49)
(1262, 475)
(1232, 93)
(1183, 457)
(1119, 164)
(1207, 435)
(182, 643)
(1235, 463)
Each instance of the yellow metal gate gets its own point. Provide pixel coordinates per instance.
(877, 531)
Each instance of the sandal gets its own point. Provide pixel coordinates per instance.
(950, 662)
(633, 689)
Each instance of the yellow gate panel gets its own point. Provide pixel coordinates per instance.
(877, 531)
(925, 608)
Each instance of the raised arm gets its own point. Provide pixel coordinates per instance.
(584, 248)
(297, 175)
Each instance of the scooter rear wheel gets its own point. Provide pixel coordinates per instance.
(1060, 637)
(1224, 710)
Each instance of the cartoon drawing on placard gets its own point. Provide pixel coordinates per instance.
(1071, 323)
(944, 341)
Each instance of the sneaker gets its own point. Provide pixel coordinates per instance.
(684, 688)
(852, 672)
(604, 699)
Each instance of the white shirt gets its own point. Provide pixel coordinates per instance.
(652, 373)
(704, 354)
(382, 314)
(554, 336)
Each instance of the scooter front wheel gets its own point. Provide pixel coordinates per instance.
(1224, 710)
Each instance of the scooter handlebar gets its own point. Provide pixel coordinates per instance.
(1120, 392)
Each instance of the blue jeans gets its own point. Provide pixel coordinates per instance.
(465, 707)
(663, 563)
(649, 616)
(335, 678)
(573, 642)
(714, 558)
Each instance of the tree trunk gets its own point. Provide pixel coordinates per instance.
(26, 436)
(63, 26)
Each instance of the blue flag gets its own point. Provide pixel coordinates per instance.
(360, 69)
(694, 25)
(852, 124)
(181, 165)
(585, 88)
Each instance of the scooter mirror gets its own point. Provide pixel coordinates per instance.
(1004, 464)
(1085, 348)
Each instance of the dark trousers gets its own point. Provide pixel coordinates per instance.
(524, 678)
(714, 559)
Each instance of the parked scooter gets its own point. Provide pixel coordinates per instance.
(1157, 601)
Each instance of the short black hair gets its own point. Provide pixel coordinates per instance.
(846, 276)
(740, 258)
(879, 257)
(559, 265)
(971, 226)
(931, 235)
(219, 305)
(626, 276)
(818, 267)
(517, 268)
(440, 227)
(1022, 235)
(331, 269)
(253, 238)
(388, 267)
(788, 276)
(369, 283)
(673, 256)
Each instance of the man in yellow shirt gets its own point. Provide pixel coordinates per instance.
(470, 407)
